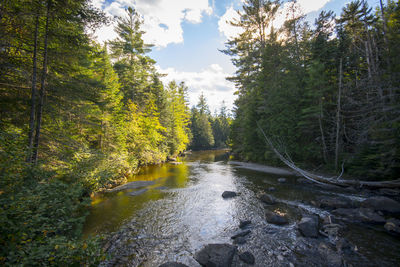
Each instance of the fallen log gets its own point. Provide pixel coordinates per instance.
(336, 180)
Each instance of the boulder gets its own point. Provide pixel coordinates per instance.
(271, 189)
(392, 226)
(282, 180)
(267, 199)
(229, 194)
(383, 204)
(360, 215)
(275, 218)
(218, 255)
(247, 257)
(244, 224)
(332, 257)
(334, 203)
(241, 233)
(173, 264)
(308, 226)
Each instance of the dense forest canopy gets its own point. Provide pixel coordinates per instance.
(327, 94)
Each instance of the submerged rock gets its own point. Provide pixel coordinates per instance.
(267, 199)
(241, 233)
(271, 189)
(384, 204)
(218, 255)
(275, 218)
(392, 226)
(173, 264)
(334, 203)
(137, 192)
(229, 194)
(247, 257)
(360, 215)
(308, 226)
(239, 240)
(282, 180)
(244, 224)
(132, 185)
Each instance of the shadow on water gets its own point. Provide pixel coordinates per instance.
(183, 210)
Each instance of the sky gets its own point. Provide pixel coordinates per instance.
(188, 34)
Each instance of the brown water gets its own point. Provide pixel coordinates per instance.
(183, 210)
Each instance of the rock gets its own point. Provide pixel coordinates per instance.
(304, 181)
(271, 189)
(342, 245)
(173, 264)
(132, 185)
(247, 257)
(275, 218)
(241, 233)
(239, 240)
(229, 194)
(137, 192)
(243, 224)
(175, 163)
(308, 226)
(218, 255)
(334, 203)
(389, 192)
(360, 215)
(384, 204)
(392, 226)
(282, 180)
(171, 158)
(267, 199)
(332, 258)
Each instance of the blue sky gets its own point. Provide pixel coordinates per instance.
(187, 35)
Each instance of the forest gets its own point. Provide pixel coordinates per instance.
(79, 117)
(326, 94)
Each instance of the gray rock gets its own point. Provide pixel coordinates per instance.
(308, 226)
(247, 257)
(173, 264)
(137, 192)
(282, 180)
(360, 215)
(241, 233)
(132, 185)
(332, 258)
(175, 163)
(229, 194)
(334, 203)
(304, 181)
(244, 224)
(271, 189)
(392, 226)
(275, 218)
(384, 204)
(218, 255)
(389, 192)
(267, 199)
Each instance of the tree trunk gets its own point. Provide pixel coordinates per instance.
(42, 87)
(338, 113)
(34, 90)
(324, 150)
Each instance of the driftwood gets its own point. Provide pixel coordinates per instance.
(336, 180)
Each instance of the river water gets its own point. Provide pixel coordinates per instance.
(182, 210)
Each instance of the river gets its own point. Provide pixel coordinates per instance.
(182, 210)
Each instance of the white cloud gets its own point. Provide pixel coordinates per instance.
(303, 7)
(225, 27)
(162, 18)
(211, 81)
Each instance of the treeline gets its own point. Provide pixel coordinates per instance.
(209, 131)
(76, 117)
(328, 95)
